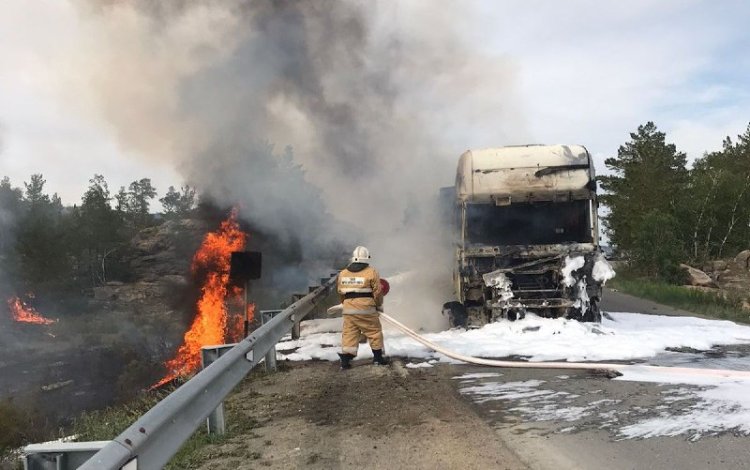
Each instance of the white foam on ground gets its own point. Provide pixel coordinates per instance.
(418, 365)
(716, 405)
(534, 403)
(720, 405)
(628, 336)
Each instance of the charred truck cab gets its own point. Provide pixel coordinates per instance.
(526, 233)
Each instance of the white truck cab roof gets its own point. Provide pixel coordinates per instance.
(525, 173)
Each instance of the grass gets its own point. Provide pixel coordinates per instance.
(106, 424)
(109, 423)
(20, 423)
(703, 303)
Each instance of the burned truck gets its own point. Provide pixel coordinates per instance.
(526, 235)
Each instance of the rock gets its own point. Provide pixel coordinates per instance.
(56, 385)
(696, 277)
(716, 265)
(743, 259)
(746, 305)
(105, 293)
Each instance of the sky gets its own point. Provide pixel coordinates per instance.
(581, 71)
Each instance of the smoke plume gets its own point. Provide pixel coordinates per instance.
(329, 123)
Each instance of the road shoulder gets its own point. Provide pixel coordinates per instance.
(315, 416)
(616, 301)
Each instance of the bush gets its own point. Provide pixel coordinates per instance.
(21, 424)
(657, 250)
(704, 303)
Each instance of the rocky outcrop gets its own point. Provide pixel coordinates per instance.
(696, 277)
(165, 250)
(732, 276)
(157, 299)
(742, 260)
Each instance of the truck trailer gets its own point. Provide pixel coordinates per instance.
(526, 235)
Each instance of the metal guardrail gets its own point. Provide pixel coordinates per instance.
(152, 440)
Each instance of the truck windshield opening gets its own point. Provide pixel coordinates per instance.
(538, 223)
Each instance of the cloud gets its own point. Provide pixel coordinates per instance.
(591, 72)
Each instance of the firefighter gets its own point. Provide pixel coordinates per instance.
(361, 297)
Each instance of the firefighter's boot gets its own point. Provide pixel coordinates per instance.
(378, 359)
(346, 361)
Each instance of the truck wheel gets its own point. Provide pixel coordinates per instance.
(593, 313)
(516, 314)
(456, 314)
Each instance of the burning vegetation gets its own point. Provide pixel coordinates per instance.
(212, 323)
(24, 313)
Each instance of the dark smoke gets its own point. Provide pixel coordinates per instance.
(330, 123)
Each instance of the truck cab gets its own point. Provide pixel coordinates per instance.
(526, 234)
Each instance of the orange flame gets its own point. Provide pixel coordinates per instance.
(25, 313)
(210, 325)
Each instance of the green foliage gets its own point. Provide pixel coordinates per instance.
(702, 303)
(57, 251)
(721, 216)
(20, 425)
(647, 175)
(35, 191)
(178, 203)
(104, 425)
(135, 203)
(657, 249)
(10, 211)
(661, 213)
(40, 241)
(98, 231)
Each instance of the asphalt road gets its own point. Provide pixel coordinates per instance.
(555, 420)
(615, 301)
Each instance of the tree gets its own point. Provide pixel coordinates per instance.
(136, 202)
(10, 212)
(35, 191)
(40, 246)
(122, 200)
(141, 194)
(722, 179)
(178, 203)
(649, 177)
(99, 230)
(657, 248)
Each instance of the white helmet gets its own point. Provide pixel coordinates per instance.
(361, 255)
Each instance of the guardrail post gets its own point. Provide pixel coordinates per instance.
(266, 316)
(295, 326)
(215, 422)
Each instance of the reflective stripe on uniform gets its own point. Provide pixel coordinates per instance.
(345, 290)
(354, 311)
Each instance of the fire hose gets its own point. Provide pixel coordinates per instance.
(596, 366)
(618, 369)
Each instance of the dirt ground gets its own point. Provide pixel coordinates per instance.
(315, 416)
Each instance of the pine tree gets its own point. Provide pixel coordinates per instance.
(100, 229)
(649, 178)
(178, 203)
(40, 244)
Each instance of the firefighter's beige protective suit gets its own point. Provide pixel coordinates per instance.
(360, 292)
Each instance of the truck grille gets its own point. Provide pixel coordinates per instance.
(535, 282)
